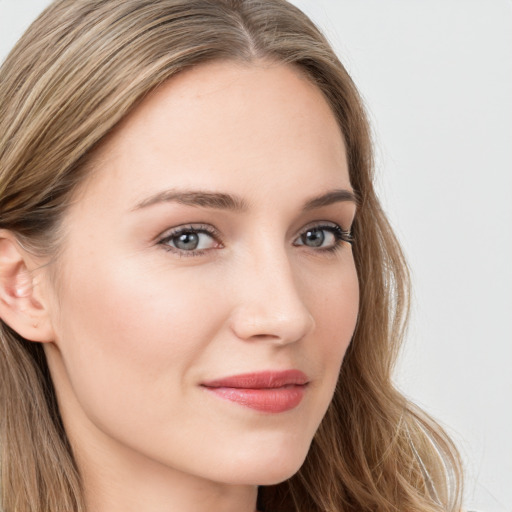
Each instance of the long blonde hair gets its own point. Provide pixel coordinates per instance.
(80, 68)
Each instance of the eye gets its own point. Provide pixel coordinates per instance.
(324, 237)
(190, 240)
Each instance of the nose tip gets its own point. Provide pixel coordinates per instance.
(273, 311)
(278, 326)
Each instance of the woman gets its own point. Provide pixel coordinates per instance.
(201, 298)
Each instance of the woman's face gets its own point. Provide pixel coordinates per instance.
(206, 289)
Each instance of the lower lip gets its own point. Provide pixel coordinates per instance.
(272, 400)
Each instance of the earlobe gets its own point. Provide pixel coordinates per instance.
(20, 308)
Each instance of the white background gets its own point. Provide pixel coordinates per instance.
(437, 79)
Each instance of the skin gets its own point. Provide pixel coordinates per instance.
(136, 327)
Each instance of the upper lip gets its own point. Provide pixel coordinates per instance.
(260, 380)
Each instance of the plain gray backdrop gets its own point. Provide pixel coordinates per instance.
(436, 76)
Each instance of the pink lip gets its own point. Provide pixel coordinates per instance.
(264, 391)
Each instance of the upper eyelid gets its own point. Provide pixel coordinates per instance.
(209, 229)
(323, 223)
(200, 228)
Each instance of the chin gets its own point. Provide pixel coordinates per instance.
(269, 466)
(268, 475)
(277, 477)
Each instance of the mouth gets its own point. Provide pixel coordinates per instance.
(269, 391)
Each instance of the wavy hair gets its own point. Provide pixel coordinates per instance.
(79, 69)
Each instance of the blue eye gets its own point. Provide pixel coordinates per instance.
(190, 241)
(197, 240)
(325, 238)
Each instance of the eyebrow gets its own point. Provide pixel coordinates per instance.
(222, 201)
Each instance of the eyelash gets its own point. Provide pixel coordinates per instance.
(341, 236)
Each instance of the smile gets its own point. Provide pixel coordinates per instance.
(271, 392)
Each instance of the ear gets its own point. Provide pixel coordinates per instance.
(21, 304)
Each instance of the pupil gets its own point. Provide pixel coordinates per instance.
(187, 241)
(315, 237)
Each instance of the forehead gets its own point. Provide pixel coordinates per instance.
(222, 122)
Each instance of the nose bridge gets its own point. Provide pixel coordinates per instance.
(268, 302)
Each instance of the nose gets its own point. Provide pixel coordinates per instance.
(267, 301)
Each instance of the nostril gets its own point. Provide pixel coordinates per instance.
(264, 336)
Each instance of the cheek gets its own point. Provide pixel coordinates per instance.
(336, 308)
(128, 337)
(335, 302)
